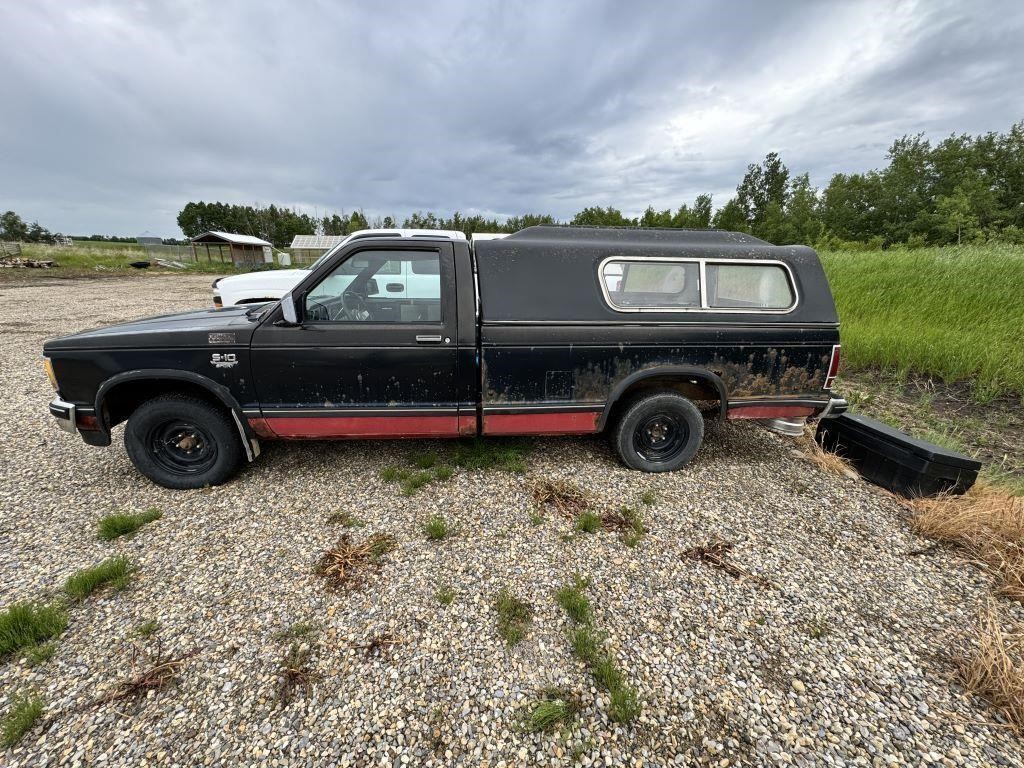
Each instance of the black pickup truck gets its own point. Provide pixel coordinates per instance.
(550, 331)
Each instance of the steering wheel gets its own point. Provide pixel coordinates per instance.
(354, 304)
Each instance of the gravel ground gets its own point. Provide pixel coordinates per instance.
(842, 657)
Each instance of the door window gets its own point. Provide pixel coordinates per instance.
(380, 286)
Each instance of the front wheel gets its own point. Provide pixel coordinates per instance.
(659, 433)
(180, 442)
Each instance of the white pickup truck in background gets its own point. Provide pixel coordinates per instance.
(272, 284)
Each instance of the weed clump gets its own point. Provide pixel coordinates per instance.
(345, 519)
(294, 674)
(151, 671)
(565, 498)
(344, 564)
(445, 595)
(436, 528)
(994, 669)
(987, 523)
(574, 600)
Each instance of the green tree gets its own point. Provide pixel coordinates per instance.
(763, 185)
(602, 217)
(12, 227)
(957, 215)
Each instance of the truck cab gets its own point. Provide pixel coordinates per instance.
(550, 331)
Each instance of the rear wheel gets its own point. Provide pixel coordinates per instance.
(659, 433)
(180, 442)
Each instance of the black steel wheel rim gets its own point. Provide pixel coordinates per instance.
(661, 437)
(182, 448)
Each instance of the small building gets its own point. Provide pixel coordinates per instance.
(226, 246)
(308, 248)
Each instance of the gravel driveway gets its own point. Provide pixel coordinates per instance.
(837, 650)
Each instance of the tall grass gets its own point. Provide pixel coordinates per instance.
(955, 313)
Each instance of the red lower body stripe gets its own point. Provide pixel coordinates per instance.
(564, 423)
(314, 427)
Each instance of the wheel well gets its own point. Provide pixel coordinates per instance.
(701, 391)
(122, 400)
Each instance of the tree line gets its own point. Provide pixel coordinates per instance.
(963, 189)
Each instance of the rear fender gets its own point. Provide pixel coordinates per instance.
(686, 373)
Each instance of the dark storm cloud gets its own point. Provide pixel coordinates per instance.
(118, 113)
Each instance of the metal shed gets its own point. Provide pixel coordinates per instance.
(306, 249)
(239, 249)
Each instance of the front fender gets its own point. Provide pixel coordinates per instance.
(222, 393)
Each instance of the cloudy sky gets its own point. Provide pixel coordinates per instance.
(115, 114)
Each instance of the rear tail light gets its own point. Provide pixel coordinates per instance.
(833, 367)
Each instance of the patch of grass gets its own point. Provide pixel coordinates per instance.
(391, 474)
(40, 654)
(25, 625)
(297, 631)
(514, 616)
(536, 518)
(898, 313)
(551, 711)
(574, 600)
(588, 522)
(445, 595)
(994, 668)
(443, 472)
(147, 628)
(115, 526)
(116, 571)
(648, 498)
(506, 455)
(413, 481)
(588, 643)
(345, 519)
(424, 460)
(26, 709)
(345, 563)
(436, 528)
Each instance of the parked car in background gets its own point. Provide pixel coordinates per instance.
(271, 285)
(550, 331)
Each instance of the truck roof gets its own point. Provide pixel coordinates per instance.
(635, 236)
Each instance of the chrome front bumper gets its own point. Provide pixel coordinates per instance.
(64, 413)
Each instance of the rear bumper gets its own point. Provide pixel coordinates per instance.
(64, 413)
(836, 405)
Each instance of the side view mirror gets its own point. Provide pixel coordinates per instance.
(288, 309)
(371, 287)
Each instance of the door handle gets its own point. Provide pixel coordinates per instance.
(428, 339)
(395, 287)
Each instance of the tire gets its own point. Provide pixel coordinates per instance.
(659, 433)
(180, 442)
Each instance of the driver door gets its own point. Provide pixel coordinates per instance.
(375, 354)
